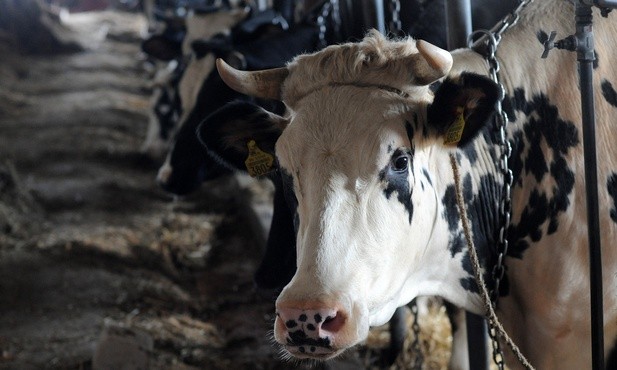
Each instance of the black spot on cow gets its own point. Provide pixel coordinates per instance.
(291, 324)
(612, 191)
(397, 180)
(470, 153)
(543, 132)
(482, 212)
(609, 93)
(318, 318)
(469, 284)
(427, 176)
(299, 338)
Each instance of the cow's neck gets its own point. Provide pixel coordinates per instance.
(481, 188)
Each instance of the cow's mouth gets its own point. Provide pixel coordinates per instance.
(313, 352)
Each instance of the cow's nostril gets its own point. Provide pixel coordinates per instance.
(333, 323)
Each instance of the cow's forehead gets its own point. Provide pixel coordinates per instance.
(375, 61)
(355, 129)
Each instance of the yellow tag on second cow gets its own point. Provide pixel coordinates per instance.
(258, 162)
(455, 131)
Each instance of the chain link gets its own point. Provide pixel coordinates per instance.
(415, 345)
(321, 23)
(395, 25)
(488, 43)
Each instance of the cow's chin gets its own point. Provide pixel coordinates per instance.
(313, 353)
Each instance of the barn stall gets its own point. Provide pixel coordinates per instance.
(99, 267)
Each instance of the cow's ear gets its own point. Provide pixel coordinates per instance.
(462, 106)
(161, 47)
(241, 136)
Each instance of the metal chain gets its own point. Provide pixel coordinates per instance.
(321, 23)
(395, 25)
(415, 345)
(488, 43)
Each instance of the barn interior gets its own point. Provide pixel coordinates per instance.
(99, 266)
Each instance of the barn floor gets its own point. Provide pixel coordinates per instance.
(99, 268)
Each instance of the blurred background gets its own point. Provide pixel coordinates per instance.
(122, 245)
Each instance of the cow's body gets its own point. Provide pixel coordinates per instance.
(370, 180)
(549, 274)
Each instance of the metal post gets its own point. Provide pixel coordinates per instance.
(477, 341)
(586, 56)
(458, 21)
(379, 16)
(582, 42)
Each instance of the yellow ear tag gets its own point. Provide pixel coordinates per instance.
(258, 162)
(455, 131)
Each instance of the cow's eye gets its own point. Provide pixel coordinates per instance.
(400, 162)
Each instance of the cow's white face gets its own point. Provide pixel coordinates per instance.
(361, 159)
(365, 211)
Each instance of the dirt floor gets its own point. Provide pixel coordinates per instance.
(99, 268)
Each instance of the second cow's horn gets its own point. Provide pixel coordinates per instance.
(261, 84)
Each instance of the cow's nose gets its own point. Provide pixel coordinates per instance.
(310, 332)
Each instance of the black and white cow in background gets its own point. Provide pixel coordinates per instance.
(361, 153)
(177, 87)
(187, 164)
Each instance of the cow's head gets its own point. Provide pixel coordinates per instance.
(361, 155)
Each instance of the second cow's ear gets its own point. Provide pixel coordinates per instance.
(242, 136)
(462, 106)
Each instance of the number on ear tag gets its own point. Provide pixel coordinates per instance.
(258, 162)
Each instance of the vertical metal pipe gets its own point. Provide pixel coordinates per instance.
(477, 341)
(458, 21)
(379, 16)
(586, 56)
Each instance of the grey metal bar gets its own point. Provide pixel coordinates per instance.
(586, 56)
(458, 21)
(477, 341)
(379, 16)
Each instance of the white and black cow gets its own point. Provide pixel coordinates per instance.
(176, 92)
(362, 154)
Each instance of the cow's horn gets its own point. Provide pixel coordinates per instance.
(261, 84)
(438, 62)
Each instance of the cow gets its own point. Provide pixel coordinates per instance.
(176, 93)
(368, 176)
